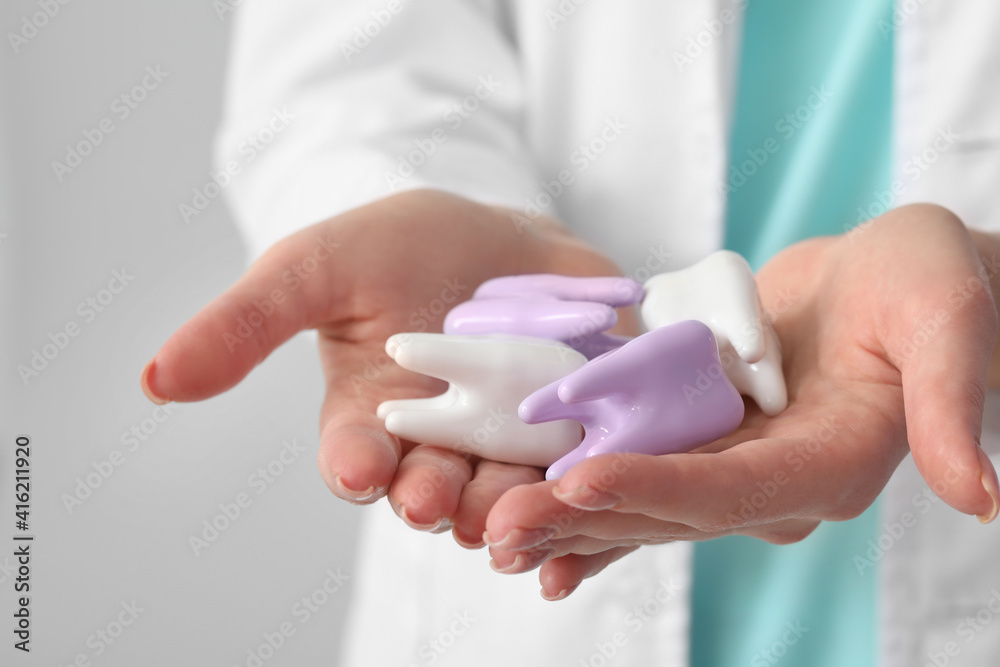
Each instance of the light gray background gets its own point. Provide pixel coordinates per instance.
(119, 209)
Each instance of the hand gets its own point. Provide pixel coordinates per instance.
(392, 266)
(887, 335)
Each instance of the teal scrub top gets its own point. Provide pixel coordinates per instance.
(810, 150)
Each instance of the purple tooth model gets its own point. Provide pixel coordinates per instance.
(663, 392)
(613, 291)
(575, 311)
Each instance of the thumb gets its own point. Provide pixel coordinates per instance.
(944, 374)
(290, 288)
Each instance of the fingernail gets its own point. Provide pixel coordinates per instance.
(466, 543)
(147, 372)
(988, 478)
(440, 526)
(364, 497)
(524, 562)
(522, 538)
(561, 595)
(443, 526)
(588, 498)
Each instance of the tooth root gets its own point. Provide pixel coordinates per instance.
(489, 377)
(763, 381)
(439, 402)
(444, 357)
(721, 292)
(393, 343)
(562, 466)
(660, 393)
(543, 405)
(419, 424)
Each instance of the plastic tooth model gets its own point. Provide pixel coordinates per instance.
(575, 311)
(613, 290)
(489, 376)
(643, 398)
(721, 292)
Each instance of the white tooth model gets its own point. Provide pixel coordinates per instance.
(489, 376)
(721, 292)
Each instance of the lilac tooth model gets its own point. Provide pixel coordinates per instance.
(575, 311)
(489, 376)
(721, 291)
(613, 291)
(644, 397)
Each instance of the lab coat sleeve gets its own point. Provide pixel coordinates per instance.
(330, 105)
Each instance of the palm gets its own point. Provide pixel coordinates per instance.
(393, 266)
(420, 258)
(837, 381)
(867, 375)
(868, 372)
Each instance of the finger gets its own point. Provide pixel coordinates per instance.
(516, 561)
(942, 341)
(613, 291)
(357, 456)
(754, 483)
(223, 342)
(559, 577)
(490, 481)
(519, 562)
(529, 517)
(944, 393)
(428, 485)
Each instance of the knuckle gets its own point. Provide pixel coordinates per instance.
(599, 473)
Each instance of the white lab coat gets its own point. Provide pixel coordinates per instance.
(628, 101)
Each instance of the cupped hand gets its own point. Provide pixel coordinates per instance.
(393, 266)
(887, 335)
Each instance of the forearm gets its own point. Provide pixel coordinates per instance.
(988, 245)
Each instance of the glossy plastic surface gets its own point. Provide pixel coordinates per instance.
(489, 376)
(661, 393)
(721, 291)
(575, 311)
